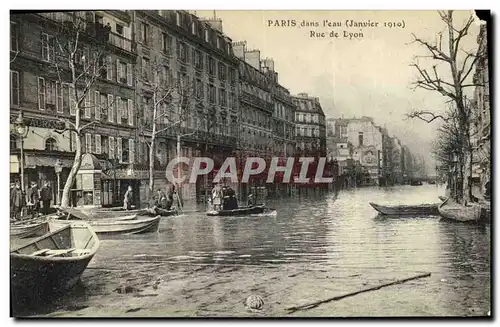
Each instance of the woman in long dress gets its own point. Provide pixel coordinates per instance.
(217, 197)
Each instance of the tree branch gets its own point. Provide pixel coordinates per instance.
(422, 116)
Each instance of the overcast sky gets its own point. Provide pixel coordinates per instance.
(352, 77)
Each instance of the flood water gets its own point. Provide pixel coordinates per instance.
(312, 249)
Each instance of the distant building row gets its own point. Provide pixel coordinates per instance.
(367, 155)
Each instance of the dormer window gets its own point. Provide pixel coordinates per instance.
(193, 28)
(178, 18)
(207, 36)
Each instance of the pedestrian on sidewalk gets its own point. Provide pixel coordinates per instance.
(17, 201)
(127, 199)
(33, 199)
(46, 197)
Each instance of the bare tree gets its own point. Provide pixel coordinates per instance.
(169, 106)
(459, 63)
(75, 54)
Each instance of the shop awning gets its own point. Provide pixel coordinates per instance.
(33, 161)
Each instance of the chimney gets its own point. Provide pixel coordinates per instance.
(252, 57)
(239, 49)
(215, 23)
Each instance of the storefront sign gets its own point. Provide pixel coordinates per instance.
(87, 181)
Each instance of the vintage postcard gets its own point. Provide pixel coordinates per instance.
(211, 163)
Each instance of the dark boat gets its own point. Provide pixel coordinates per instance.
(29, 229)
(457, 212)
(416, 183)
(51, 264)
(136, 226)
(249, 210)
(442, 198)
(155, 211)
(407, 210)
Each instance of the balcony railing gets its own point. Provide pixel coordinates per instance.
(121, 42)
(84, 21)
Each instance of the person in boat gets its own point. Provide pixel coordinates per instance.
(160, 199)
(251, 200)
(127, 199)
(230, 201)
(17, 201)
(217, 196)
(170, 197)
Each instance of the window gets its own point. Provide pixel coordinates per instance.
(119, 29)
(182, 52)
(97, 106)
(199, 89)
(167, 44)
(130, 111)
(72, 101)
(41, 93)
(211, 65)
(13, 37)
(50, 144)
(87, 105)
(119, 109)
(14, 88)
(131, 150)
(98, 144)
(110, 105)
(222, 98)
(47, 47)
(122, 72)
(129, 74)
(13, 142)
(198, 59)
(165, 75)
(88, 142)
(109, 68)
(145, 68)
(222, 71)
(212, 93)
(111, 147)
(119, 149)
(144, 33)
(360, 138)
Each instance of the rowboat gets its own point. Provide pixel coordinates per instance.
(51, 264)
(136, 226)
(442, 198)
(30, 229)
(454, 211)
(407, 210)
(77, 214)
(249, 210)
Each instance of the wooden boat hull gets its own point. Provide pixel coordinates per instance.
(460, 213)
(442, 198)
(38, 278)
(407, 210)
(241, 211)
(138, 226)
(29, 230)
(106, 214)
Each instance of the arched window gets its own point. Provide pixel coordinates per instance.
(13, 142)
(50, 144)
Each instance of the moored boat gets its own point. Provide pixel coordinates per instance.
(442, 198)
(407, 210)
(136, 226)
(29, 229)
(457, 212)
(249, 210)
(51, 264)
(99, 213)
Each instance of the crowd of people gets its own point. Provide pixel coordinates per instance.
(162, 200)
(33, 202)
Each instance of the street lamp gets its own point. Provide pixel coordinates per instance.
(22, 131)
(58, 168)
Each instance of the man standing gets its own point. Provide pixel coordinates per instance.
(127, 200)
(33, 199)
(46, 197)
(17, 201)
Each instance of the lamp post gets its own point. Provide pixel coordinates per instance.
(22, 131)
(58, 168)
